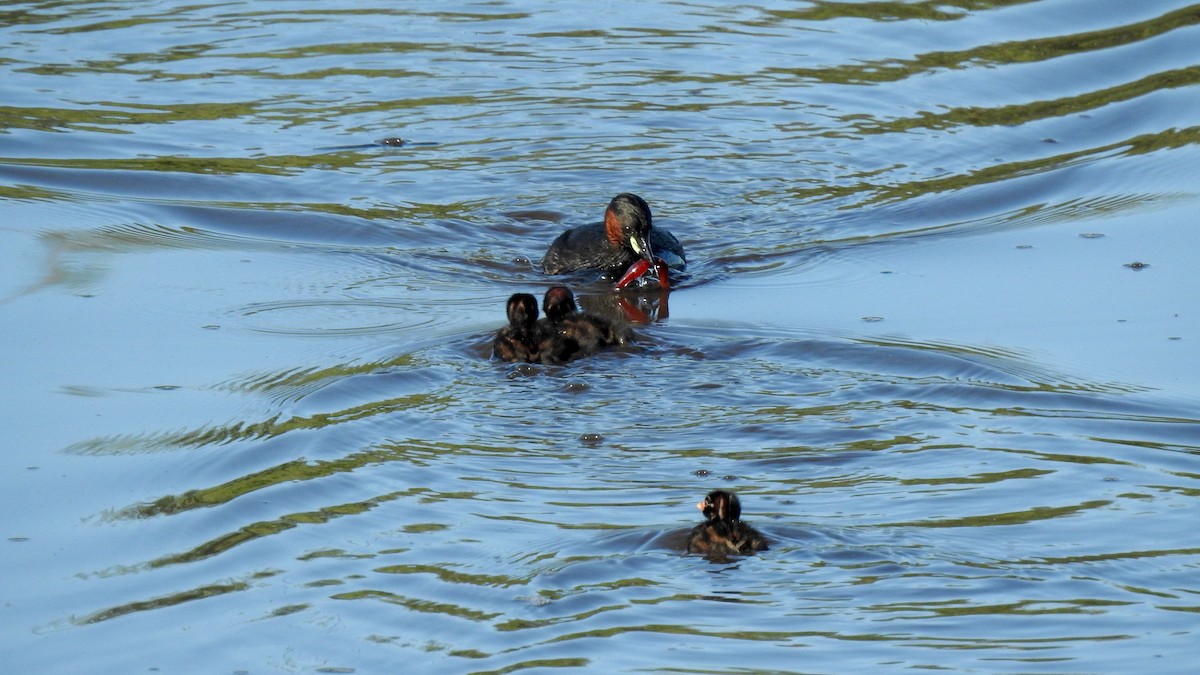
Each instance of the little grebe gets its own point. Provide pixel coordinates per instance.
(723, 533)
(567, 334)
(518, 341)
(623, 247)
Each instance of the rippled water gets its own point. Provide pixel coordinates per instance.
(252, 425)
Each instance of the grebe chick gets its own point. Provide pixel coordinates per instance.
(518, 341)
(723, 533)
(567, 334)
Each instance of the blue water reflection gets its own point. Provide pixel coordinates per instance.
(254, 425)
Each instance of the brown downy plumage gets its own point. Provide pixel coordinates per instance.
(567, 334)
(518, 341)
(723, 533)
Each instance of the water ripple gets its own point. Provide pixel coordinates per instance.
(340, 479)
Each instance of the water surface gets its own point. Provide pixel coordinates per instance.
(253, 425)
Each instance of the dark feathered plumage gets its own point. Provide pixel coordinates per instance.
(626, 236)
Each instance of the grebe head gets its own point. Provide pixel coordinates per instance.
(721, 505)
(627, 224)
(559, 302)
(522, 310)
